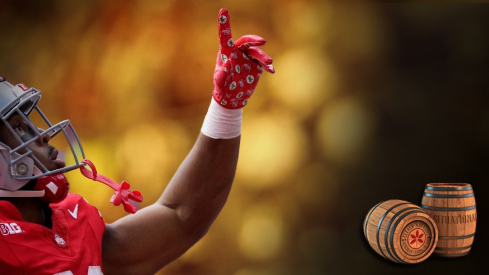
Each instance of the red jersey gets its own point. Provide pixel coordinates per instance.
(72, 246)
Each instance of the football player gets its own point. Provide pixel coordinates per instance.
(47, 230)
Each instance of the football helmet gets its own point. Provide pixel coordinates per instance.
(19, 165)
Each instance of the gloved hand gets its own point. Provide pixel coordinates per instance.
(239, 65)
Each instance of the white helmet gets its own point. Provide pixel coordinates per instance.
(18, 165)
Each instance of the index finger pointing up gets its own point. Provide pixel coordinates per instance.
(224, 27)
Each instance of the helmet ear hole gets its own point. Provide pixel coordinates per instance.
(11, 173)
(55, 187)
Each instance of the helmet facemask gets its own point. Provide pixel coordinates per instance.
(19, 165)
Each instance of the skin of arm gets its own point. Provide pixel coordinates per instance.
(144, 242)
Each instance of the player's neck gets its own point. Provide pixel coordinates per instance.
(32, 210)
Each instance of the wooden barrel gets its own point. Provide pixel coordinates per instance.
(452, 207)
(400, 231)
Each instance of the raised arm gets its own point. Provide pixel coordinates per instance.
(144, 242)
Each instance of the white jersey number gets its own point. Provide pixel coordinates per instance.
(92, 270)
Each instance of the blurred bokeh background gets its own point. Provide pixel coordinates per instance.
(369, 102)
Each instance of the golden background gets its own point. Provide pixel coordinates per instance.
(369, 102)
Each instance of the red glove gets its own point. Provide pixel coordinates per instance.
(239, 65)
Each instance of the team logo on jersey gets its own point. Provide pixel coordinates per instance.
(74, 214)
(60, 241)
(10, 228)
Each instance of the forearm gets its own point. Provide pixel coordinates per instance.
(180, 217)
(201, 185)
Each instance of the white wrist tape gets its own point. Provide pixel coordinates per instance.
(222, 123)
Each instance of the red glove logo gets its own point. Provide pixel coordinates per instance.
(239, 65)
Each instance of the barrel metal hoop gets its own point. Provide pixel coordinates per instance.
(448, 196)
(453, 248)
(450, 255)
(456, 237)
(395, 226)
(380, 223)
(448, 208)
(434, 188)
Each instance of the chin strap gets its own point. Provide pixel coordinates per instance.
(51, 189)
(122, 193)
(22, 194)
(55, 187)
